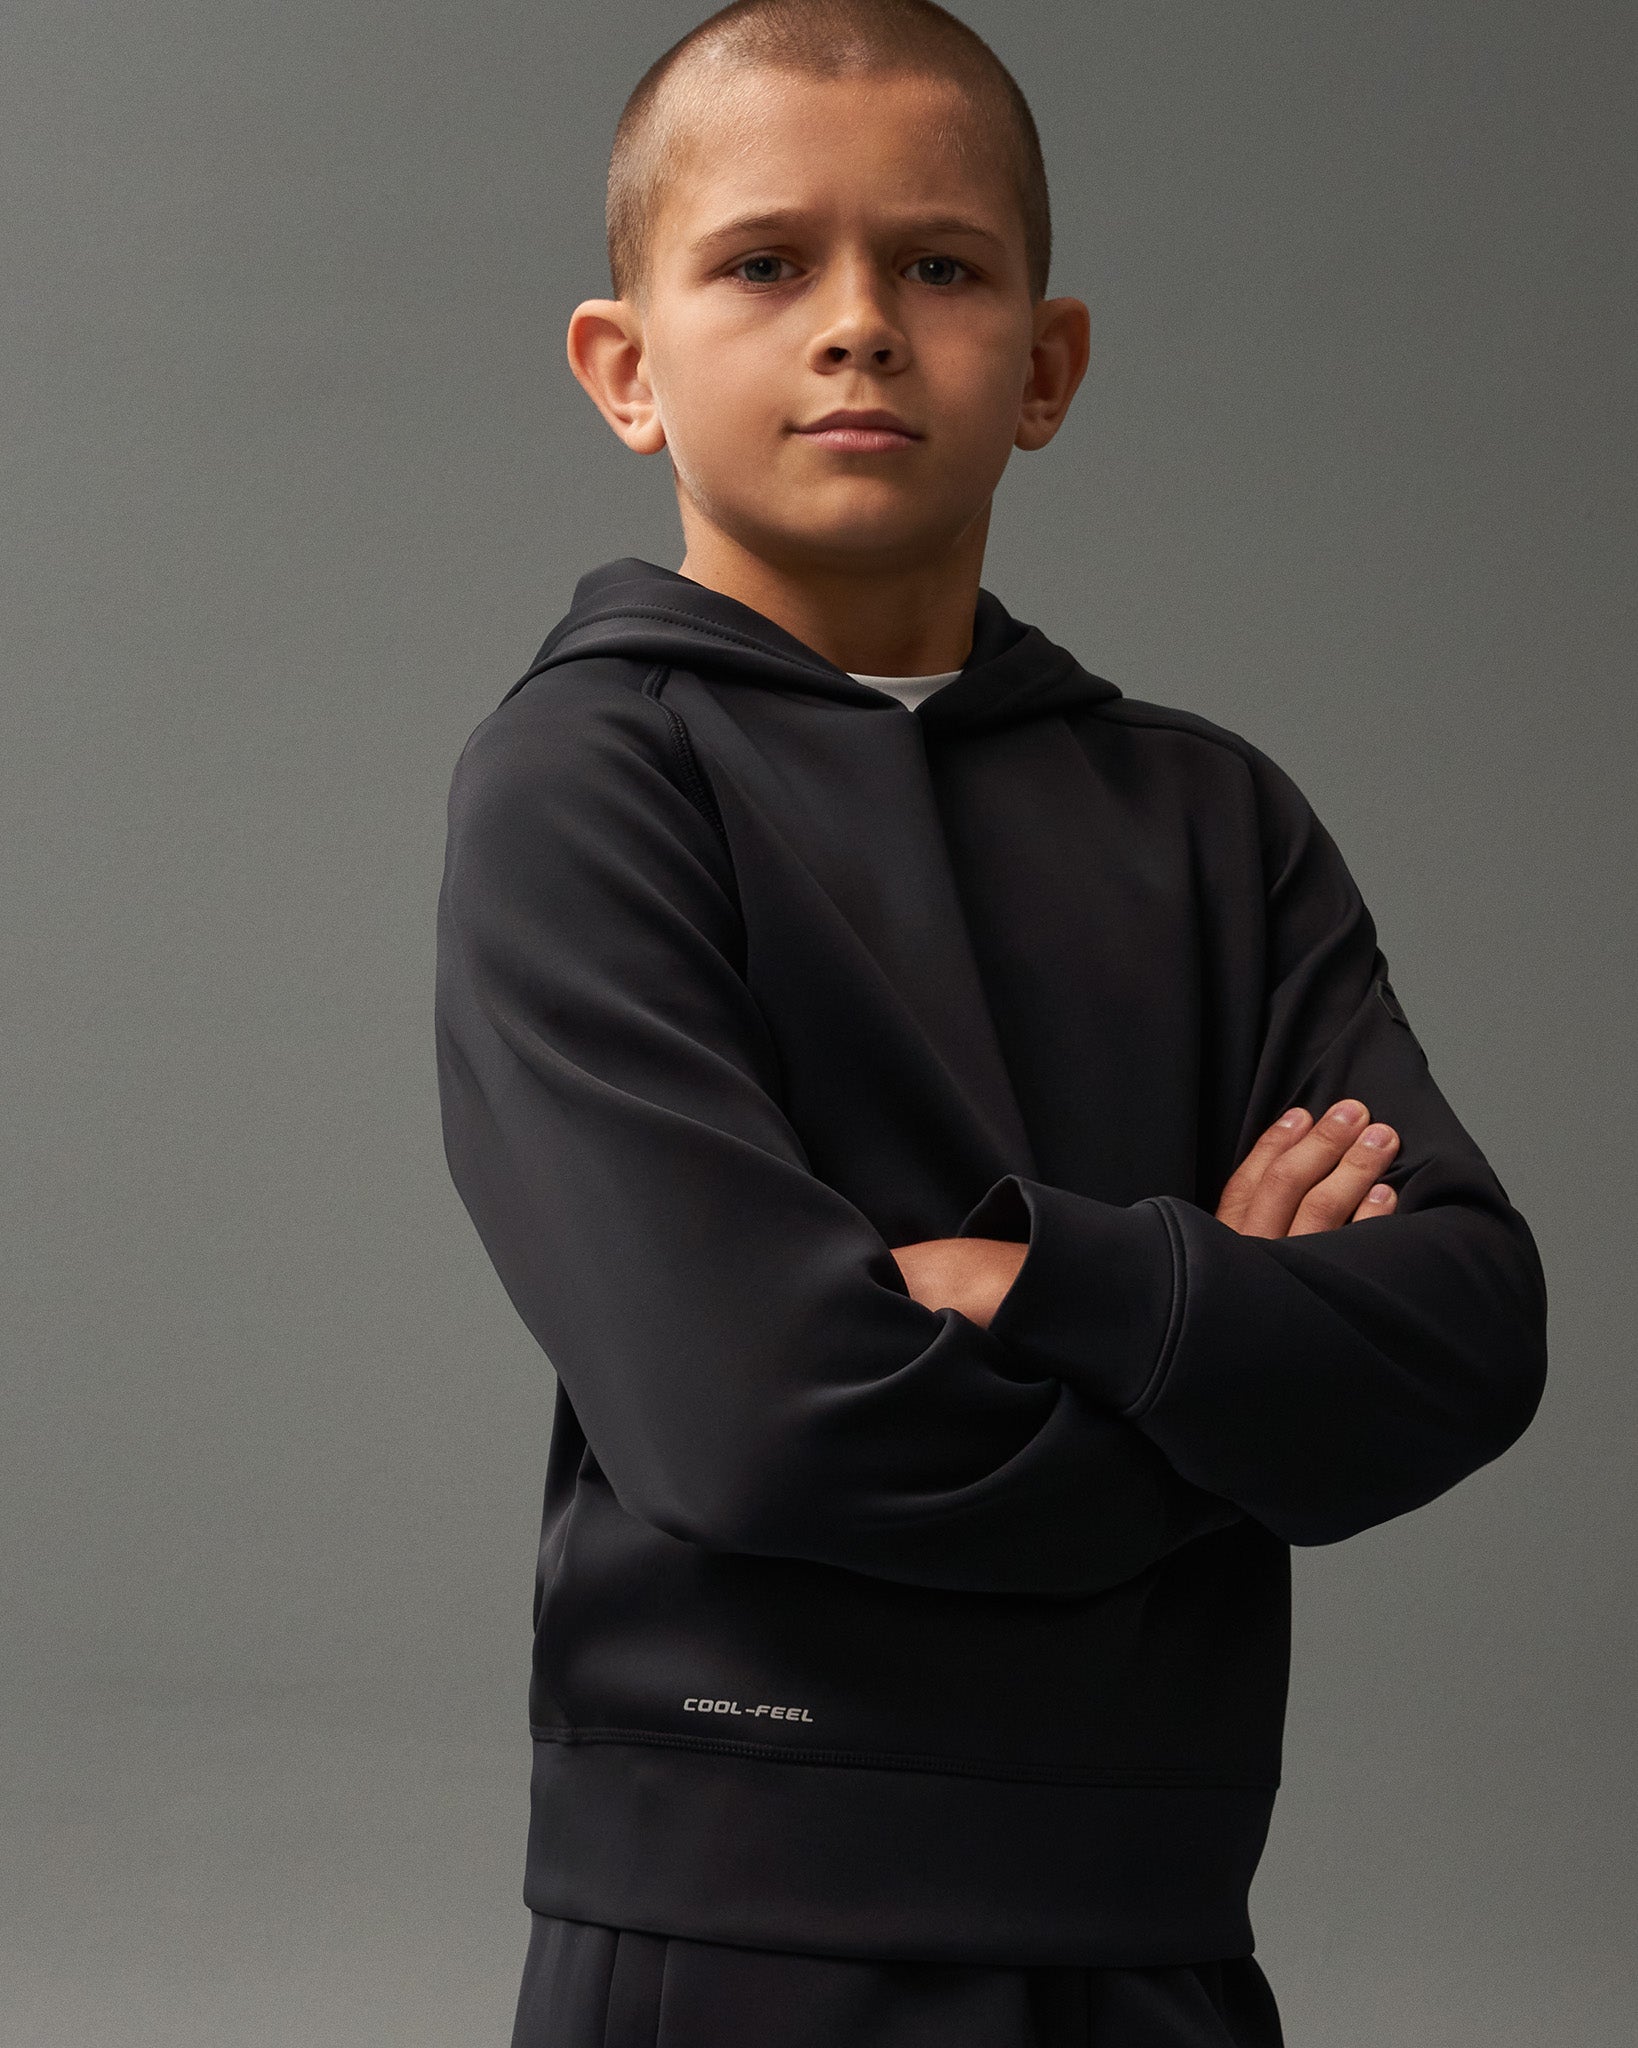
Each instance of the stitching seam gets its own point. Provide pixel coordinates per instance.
(695, 786)
(1158, 1775)
(1118, 709)
(1174, 1313)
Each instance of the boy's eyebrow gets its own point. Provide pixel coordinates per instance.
(766, 223)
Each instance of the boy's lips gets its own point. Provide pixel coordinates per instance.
(863, 431)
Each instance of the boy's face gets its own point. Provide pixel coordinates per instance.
(817, 253)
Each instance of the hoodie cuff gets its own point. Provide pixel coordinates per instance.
(1097, 1300)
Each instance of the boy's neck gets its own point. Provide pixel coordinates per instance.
(911, 621)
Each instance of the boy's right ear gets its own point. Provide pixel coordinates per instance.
(606, 354)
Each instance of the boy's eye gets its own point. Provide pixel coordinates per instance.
(950, 260)
(751, 261)
(748, 269)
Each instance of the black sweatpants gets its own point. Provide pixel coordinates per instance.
(586, 1986)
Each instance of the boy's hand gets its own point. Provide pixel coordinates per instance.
(1299, 1177)
(1303, 1176)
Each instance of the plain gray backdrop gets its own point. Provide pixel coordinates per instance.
(296, 480)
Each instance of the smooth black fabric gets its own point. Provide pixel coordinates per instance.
(586, 1986)
(864, 1630)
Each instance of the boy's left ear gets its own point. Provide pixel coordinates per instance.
(1058, 359)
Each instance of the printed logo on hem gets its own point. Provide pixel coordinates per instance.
(703, 1706)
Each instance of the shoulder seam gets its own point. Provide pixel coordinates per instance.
(1120, 710)
(1175, 719)
(696, 787)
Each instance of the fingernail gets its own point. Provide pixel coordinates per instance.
(1378, 1137)
(1292, 1118)
(1380, 1193)
(1347, 1113)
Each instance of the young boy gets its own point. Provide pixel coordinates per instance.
(921, 1099)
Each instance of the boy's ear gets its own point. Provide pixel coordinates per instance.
(605, 350)
(1058, 360)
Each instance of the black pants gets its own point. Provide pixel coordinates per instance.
(586, 1986)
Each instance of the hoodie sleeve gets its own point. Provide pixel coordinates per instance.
(1328, 1382)
(736, 1338)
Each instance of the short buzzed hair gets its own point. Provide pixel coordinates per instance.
(819, 39)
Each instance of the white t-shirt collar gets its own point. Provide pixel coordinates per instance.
(910, 690)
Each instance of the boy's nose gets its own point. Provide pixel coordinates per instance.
(840, 354)
(860, 326)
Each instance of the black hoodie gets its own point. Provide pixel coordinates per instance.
(860, 1629)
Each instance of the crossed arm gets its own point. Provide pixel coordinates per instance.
(759, 1371)
(1300, 1176)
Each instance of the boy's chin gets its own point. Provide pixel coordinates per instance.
(866, 544)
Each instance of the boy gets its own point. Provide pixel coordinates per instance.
(920, 1099)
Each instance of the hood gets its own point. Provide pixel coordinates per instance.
(638, 610)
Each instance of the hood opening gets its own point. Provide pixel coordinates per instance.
(636, 609)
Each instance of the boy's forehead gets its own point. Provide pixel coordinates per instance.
(768, 141)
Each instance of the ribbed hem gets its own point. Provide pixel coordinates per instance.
(1096, 1298)
(915, 1865)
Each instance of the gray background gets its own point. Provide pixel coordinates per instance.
(296, 478)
